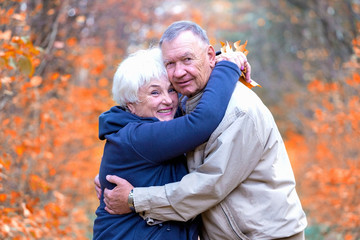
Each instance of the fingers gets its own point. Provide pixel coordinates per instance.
(106, 196)
(97, 181)
(108, 207)
(98, 192)
(107, 201)
(116, 198)
(109, 210)
(115, 203)
(218, 58)
(242, 59)
(248, 72)
(97, 186)
(115, 179)
(238, 58)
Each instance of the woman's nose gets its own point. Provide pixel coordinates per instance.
(167, 99)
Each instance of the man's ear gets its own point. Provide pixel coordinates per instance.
(211, 54)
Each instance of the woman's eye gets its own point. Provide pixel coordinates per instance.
(172, 90)
(154, 92)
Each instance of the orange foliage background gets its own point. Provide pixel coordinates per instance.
(49, 148)
(57, 59)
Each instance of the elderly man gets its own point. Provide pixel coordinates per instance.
(241, 180)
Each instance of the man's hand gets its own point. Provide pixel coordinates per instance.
(97, 186)
(116, 200)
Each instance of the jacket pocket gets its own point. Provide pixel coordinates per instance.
(228, 217)
(160, 231)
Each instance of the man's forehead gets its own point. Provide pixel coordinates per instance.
(184, 38)
(181, 50)
(178, 53)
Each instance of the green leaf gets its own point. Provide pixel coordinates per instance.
(25, 39)
(2, 62)
(25, 66)
(11, 63)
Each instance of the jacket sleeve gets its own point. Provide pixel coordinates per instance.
(161, 141)
(229, 160)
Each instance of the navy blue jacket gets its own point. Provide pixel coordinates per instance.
(153, 155)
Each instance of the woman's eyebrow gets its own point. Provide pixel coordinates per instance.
(154, 85)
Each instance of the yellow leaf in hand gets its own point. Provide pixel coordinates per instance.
(225, 48)
(250, 84)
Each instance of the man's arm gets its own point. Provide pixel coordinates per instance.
(239, 59)
(229, 160)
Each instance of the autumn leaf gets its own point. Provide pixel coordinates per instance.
(26, 211)
(6, 35)
(3, 197)
(241, 48)
(19, 17)
(25, 66)
(250, 84)
(225, 48)
(19, 150)
(103, 82)
(35, 81)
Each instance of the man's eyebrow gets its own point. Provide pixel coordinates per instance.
(186, 54)
(166, 61)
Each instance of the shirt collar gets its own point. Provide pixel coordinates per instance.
(189, 104)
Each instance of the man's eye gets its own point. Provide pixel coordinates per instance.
(169, 64)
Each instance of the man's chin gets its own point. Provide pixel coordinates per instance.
(189, 92)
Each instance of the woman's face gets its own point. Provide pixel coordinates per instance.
(156, 99)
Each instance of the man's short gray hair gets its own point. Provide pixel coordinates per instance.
(176, 28)
(135, 71)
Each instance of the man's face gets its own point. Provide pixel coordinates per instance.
(188, 62)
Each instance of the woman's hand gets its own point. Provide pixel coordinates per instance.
(239, 59)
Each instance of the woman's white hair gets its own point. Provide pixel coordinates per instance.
(137, 70)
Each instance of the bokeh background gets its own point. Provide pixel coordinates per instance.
(57, 59)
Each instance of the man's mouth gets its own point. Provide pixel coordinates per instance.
(183, 82)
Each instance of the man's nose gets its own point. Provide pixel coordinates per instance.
(179, 70)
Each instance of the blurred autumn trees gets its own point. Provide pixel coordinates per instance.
(57, 59)
(49, 147)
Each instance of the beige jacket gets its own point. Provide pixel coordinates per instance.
(241, 180)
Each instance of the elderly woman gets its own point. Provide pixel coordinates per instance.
(146, 145)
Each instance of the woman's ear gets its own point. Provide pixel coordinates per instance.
(131, 107)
